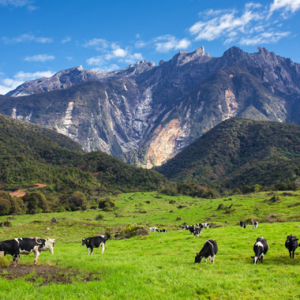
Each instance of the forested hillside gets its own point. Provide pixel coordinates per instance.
(239, 152)
(30, 153)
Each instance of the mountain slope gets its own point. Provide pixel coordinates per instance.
(146, 114)
(27, 154)
(239, 152)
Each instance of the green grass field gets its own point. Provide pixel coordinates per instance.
(161, 265)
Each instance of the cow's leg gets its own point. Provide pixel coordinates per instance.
(15, 260)
(204, 260)
(290, 254)
(103, 247)
(262, 258)
(213, 259)
(37, 254)
(92, 250)
(293, 253)
(89, 251)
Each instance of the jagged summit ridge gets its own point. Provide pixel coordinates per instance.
(145, 114)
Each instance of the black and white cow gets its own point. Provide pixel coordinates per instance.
(197, 232)
(11, 247)
(192, 229)
(291, 244)
(49, 244)
(153, 229)
(205, 225)
(94, 242)
(260, 248)
(31, 245)
(209, 250)
(163, 230)
(255, 224)
(242, 224)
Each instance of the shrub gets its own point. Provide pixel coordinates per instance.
(106, 204)
(36, 202)
(99, 217)
(133, 230)
(4, 206)
(4, 263)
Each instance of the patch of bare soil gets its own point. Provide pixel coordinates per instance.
(21, 193)
(47, 275)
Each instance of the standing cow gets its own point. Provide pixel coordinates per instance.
(242, 224)
(209, 250)
(11, 247)
(94, 242)
(291, 244)
(260, 248)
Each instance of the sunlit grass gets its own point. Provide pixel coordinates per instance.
(161, 265)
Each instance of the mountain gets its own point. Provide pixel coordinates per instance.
(239, 152)
(30, 153)
(146, 114)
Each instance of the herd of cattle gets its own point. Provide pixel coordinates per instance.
(35, 245)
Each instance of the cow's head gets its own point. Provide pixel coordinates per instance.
(198, 258)
(83, 241)
(49, 244)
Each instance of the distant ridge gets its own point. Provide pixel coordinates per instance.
(239, 152)
(146, 114)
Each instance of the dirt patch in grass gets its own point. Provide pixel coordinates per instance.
(44, 275)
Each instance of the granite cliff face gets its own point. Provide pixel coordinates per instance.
(145, 114)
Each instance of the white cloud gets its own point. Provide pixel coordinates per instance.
(140, 44)
(264, 38)
(120, 52)
(285, 5)
(8, 84)
(66, 40)
(39, 58)
(138, 36)
(168, 42)
(25, 38)
(24, 76)
(110, 68)
(16, 3)
(32, 8)
(69, 58)
(99, 44)
(249, 27)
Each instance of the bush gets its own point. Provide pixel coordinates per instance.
(99, 217)
(4, 263)
(4, 206)
(133, 230)
(36, 202)
(106, 204)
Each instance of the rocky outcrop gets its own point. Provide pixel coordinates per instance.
(145, 114)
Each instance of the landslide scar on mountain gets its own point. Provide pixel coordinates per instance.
(162, 147)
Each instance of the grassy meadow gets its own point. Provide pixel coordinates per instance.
(161, 265)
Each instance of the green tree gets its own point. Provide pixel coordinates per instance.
(4, 206)
(36, 202)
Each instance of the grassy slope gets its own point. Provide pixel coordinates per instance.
(160, 266)
(239, 152)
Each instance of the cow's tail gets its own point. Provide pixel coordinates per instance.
(37, 241)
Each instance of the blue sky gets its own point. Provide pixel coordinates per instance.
(39, 38)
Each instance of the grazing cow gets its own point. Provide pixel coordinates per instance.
(31, 245)
(209, 250)
(192, 229)
(11, 247)
(260, 248)
(197, 232)
(154, 229)
(116, 235)
(163, 230)
(255, 224)
(242, 224)
(205, 225)
(94, 242)
(291, 244)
